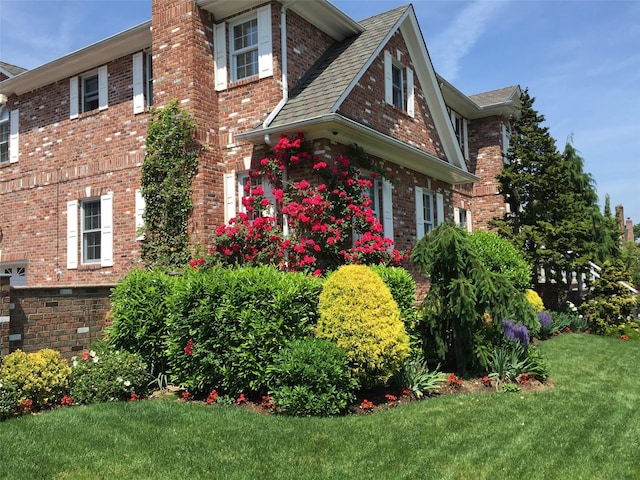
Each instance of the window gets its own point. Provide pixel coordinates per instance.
(91, 233)
(17, 275)
(460, 130)
(250, 46)
(399, 89)
(462, 218)
(429, 210)
(506, 141)
(90, 93)
(4, 134)
(244, 49)
(398, 86)
(96, 231)
(148, 78)
(234, 190)
(142, 81)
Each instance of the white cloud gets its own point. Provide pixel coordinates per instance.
(453, 44)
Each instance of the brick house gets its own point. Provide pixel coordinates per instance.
(73, 134)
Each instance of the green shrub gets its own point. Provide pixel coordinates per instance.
(403, 291)
(501, 256)
(230, 323)
(609, 304)
(311, 377)
(534, 299)
(9, 400)
(139, 311)
(42, 377)
(358, 313)
(108, 375)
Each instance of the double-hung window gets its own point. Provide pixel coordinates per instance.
(399, 88)
(4, 134)
(142, 81)
(460, 129)
(91, 231)
(429, 210)
(244, 49)
(90, 92)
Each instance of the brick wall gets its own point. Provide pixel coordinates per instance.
(65, 319)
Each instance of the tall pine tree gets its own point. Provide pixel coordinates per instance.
(554, 217)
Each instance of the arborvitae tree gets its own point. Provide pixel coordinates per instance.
(608, 235)
(554, 216)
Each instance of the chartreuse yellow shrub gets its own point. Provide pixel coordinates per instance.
(534, 299)
(42, 377)
(358, 313)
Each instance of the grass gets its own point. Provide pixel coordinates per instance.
(587, 427)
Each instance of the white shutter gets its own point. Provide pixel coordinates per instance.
(456, 216)
(103, 88)
(466, 139)
(139, 206)
(138, 82)
(229, 196)
(388, 78)
(440, 207)
(14, 135)
(265, 55)
(72, 234)
(220, 56)
(106, 225)
(469, 224)
(410, 94)
(387, 208)
(73, 97)
(419, 214)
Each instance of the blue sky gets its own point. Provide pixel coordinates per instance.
(580, 59)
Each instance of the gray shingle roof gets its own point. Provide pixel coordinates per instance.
(494, 97)
(12, 69)
(317, 92)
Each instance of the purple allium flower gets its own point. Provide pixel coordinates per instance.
(515, 333)
(545, 319)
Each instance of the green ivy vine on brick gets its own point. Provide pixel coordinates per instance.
(171, 162)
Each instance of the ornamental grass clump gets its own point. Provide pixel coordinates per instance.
(358, 313)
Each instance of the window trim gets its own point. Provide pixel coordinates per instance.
(407, 89)
(4, 144)
(95, 96)
(84, 231)
(234, 54)
(76, 92)
(461, 133)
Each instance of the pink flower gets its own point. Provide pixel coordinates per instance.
(241, 399)
(188, 349)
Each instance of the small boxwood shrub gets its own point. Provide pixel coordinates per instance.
(139, 311)
(358, 313)
(311, 377)
(9, 400)
(107, 375)
(229, 324)
(42, 377)
(402, 288)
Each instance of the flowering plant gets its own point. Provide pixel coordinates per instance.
(212, 397)
(392, 400)
(107, 376)
(366, 405)
(454, 381)
(66, 401)
(329, 222)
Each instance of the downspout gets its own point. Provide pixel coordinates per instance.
(285, 84)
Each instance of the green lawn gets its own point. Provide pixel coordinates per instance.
(587, 427)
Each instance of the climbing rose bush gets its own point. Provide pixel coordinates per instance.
(329, 220)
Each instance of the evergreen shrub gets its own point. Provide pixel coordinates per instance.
(228, 324)
(534, 299)
(9, 400)
(359, 314)
(311, 376)
(42, 377)
(139, 311)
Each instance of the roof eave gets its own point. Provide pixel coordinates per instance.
(124, 43)
(338, 128)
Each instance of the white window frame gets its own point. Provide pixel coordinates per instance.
(142, 81)
(17, 273)
(462, 218)
(77, 91)
(4, 134)
(75, 231)
(249, 49)
(85, 231)
(460, 128)
(406, 102)
(424, 225)
(234, 191)
(85, 96)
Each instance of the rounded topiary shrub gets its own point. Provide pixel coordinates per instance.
(311, 376)
(534, 299)
(358, 313)
(501, 256)
(42, 377)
